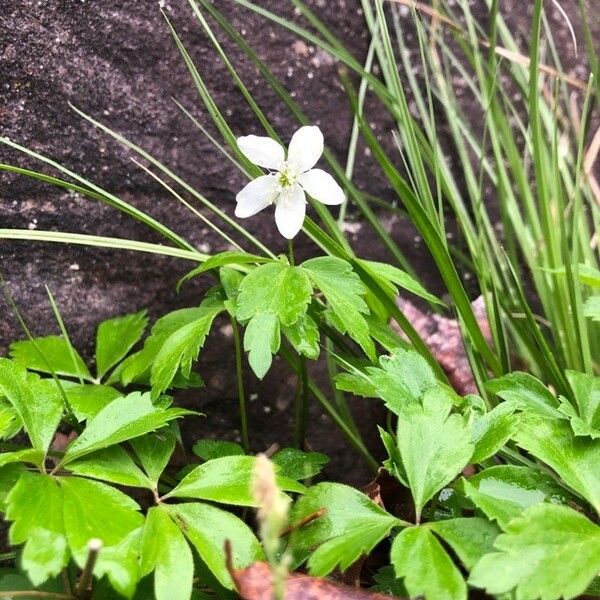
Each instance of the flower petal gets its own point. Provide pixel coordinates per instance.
(258, 194)
(321, 186)
(306, 148)
(262, 151)
(290, 211)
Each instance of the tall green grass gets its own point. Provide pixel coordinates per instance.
(521, 196)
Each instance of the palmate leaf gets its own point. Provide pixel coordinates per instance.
(276, 288)
(116, 337)
(228, 480)
(123, 419)
(137, 367)
(166, 552)
(298, 465)
(262, 339)
(549, 552)
(344, 292)
(585, 411)
(94, 510)
(34, 505)
(36, 401)
(180, 349)
(55, 517)
(526, 391)
(434, 446)
(351, 526)
(111, 464)
(304, 336)
(427, 569)
(469, 537)
(51, 354)
(222, 259)
(208, 528)
(89, 399)
(492, 430)
(575, 459)
(211, 449)
(154, 451)
(394, 278)
(503, 492)
(402, 380)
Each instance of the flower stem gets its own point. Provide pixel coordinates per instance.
(301, 408)
(240, 386)
(291, 251)
(85, 580)
(353, 437)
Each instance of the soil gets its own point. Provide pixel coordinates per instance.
(116, 60)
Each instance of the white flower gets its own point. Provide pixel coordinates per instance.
(288, 180)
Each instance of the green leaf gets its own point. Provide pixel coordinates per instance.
(35, 507)
(304, 336)
(120, 564)
(261, 340)
(10, 423)
(586, 390)
(116, 337)
(591, 308)
(9, 475)
(388, 274)
(526, 391)
(276, 288)
(50, 354)
(228, 480)
(208, 528)
(503, 492)
(575, 459)
(37, 402)
(298, 465)
(470, 538)
(154, 451)
(95, 510)
(427, 569)
(358, 384)
(27, 455)
(211, 449)
(111, 464)
(88, 400)
(434, 445)
(351, 526)
(387, 583)
(549, 552)
(393, 464)
(180, 349)
(492, 430)
(123, 419)
(402, 379)
(44, 555)
(222, 259)
(136, 368)
(166, 552)
(344, 292)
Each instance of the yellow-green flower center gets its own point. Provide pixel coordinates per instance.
(286, 177)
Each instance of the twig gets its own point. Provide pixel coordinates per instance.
(304, 521)
(94, 546)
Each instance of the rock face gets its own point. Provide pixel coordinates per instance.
(116, 60)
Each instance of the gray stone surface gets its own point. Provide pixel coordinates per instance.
(116, 60)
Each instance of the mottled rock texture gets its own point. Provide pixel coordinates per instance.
(116, 60)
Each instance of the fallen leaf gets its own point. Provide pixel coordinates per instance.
(254, 583)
